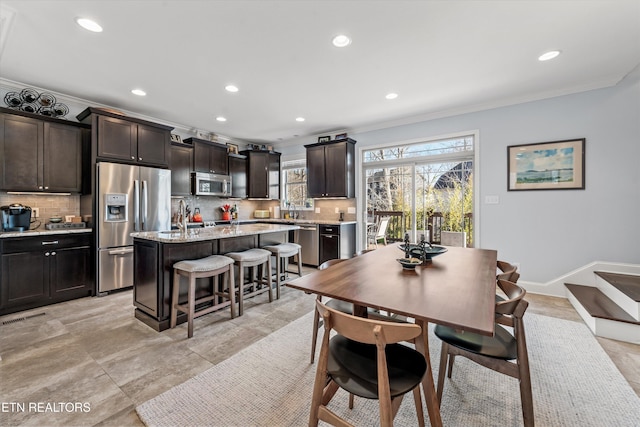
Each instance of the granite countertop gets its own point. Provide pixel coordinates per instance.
(41, 231)
(306, 221)
(212, 233)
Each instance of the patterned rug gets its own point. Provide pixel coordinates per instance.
(269, 383)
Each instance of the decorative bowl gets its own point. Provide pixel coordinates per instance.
(55, 219)
(430, 251)
(409, 263)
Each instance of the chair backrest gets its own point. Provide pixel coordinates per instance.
(329, 263)
(382, 226)
(514, 294)
(366, 330)
(507, 272)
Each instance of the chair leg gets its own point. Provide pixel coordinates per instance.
(316, 326)
(417, 399)
(240, 289)
(526, 395)
(444, 354)
(230, 280)
(279, 262)
(299, 263)
(174, 298)
(192, 304)
(452, 359)
(268, 262)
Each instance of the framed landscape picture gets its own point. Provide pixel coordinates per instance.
(555, 165)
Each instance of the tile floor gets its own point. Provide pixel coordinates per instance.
(93, 362)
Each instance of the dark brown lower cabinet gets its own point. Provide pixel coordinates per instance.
(42, 270)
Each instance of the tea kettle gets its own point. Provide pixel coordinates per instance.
(196, 215)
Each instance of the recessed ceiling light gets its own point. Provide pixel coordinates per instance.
(341, 40)
(90, 25)
(299, 119)
(549, 55)
(391, 95)
(231, 88)
(221, 119)
(139, 92)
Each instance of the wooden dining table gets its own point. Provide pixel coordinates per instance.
(456, 288)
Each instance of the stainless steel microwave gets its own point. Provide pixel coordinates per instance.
(208, 184)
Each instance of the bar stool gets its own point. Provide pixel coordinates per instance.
(258, 259)
(210, 266)
(283, 252)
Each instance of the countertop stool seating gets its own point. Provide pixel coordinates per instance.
(494, 352)
(365, 359)
(282, 252)
(259, 262)
(210, 266)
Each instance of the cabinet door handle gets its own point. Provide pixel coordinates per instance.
(121, 251)
(140, 158)
(46, 188)
(40, 187)
(46, 254)
(53, 253)
(133, 157)
(52, 242)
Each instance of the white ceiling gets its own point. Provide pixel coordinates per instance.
(441, 57)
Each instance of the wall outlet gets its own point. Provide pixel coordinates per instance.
(351, 210)
(491, 200)
(35, 212)
(337, 210)
(317, 210)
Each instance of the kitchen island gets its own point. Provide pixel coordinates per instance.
(155, 253)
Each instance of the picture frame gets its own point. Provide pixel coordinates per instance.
(233, 148)
(176, 138)
(554, 165)
(326, 138)
(341, 136)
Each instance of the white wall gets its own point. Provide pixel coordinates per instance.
(552, 232)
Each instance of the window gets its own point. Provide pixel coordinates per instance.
(294, 184)
(428, 184)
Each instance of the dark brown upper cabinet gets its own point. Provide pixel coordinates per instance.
(40, 154)
(209, 157)
(331, 169)
(238, 173)
(263, 174)
(181, 167)
(127, 139)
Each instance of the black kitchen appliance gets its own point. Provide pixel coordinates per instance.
(15, 217)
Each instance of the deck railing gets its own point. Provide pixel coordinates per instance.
(399, 224)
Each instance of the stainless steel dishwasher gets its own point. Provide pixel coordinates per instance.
(308, 239)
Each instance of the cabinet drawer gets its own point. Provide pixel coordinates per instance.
(53, 241)
(330, 229)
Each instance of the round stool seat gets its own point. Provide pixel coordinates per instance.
(250, 255)
(284, 249)
(209, 263)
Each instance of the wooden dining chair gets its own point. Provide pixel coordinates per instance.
(507, 272)
(494, 352)
(343, 306)
(365, 359)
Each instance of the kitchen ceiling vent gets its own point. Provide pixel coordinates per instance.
(6, 19)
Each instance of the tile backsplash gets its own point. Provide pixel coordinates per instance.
(48, 204)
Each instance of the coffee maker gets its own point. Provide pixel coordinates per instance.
(15, 217)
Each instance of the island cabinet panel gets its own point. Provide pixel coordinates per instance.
(153, 278)
(156, 253)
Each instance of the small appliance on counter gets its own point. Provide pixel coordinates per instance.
(15, 217)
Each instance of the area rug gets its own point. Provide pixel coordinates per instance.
(269, 383)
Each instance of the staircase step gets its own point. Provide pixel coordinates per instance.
(628, 284)
(599, 305)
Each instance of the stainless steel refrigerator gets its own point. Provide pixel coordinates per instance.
(128, 199)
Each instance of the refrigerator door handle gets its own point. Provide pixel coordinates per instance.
(145, 203)
(136, 205)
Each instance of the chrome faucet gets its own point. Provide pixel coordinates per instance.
(182, 217)
(292, 211)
